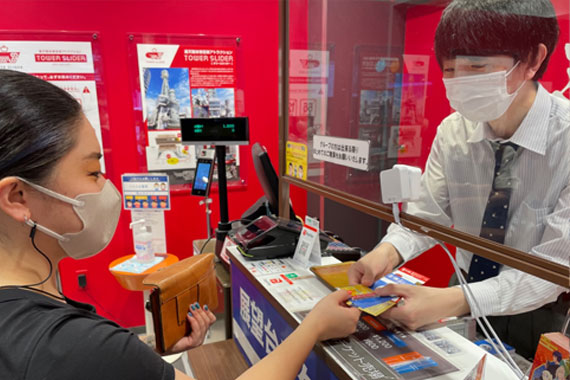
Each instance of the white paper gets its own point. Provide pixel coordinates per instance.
(353, 153)
(315, 257)
(308, 250)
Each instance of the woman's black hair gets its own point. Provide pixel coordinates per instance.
(497, 27)
(38, 123)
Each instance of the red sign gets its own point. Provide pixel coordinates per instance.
(310, 63)
(154, 55)
(60, 58)
(7, 56)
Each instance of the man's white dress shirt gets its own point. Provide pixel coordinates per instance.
(456, 185)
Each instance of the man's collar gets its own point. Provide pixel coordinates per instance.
(532, 134)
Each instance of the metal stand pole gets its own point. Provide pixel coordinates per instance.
(223, 226)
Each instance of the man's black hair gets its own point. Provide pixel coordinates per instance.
(493, 27)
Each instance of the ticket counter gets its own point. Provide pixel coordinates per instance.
(271, 297)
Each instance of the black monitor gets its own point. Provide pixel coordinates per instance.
(268, 178)
(215, 131)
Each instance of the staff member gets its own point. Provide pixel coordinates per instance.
(499, 167)
(54, 202)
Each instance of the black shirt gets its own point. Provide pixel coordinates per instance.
(41, 338)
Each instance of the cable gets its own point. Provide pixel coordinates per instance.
(32, 237)
(504, 355)
(30, 286)
(211, 237)
(205, 244)
(502, 352)
(396, 212)
(100, 307)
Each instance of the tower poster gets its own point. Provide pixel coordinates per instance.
(177, 82)
(66, 64)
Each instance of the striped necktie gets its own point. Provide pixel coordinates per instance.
(494, 225)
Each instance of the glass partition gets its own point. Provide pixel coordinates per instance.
(470, 95)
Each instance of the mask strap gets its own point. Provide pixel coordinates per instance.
(512, 69)
(45, 230)
(53, 194)
(509, 73)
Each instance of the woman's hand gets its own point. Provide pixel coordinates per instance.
(332, 318)
(200, 320)
(422, 305)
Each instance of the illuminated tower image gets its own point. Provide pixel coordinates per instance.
(166, 112)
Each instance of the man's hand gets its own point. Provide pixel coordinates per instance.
(374, 265)
(422, 305)
(200, 320)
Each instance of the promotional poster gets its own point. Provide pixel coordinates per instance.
(308, 94)
(66, 64)
(183, 81)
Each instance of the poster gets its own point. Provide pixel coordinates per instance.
(414, 88)
(377, 86)
(308, 91)
(183, 81)
(145, 191)
(66, 64)
(296, 160)
(405, 141)
(405, 137)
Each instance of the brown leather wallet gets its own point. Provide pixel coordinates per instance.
(176, 287)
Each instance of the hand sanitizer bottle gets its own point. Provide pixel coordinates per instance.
(142, 241)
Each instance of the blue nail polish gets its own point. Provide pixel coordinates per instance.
(197, 305)
(190, 314)
(192, 307)
(206, 307)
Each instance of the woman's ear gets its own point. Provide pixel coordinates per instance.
(534, 65)
(13, 199)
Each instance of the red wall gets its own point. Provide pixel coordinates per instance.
(256, 22)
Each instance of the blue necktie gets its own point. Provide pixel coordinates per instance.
(494, 225)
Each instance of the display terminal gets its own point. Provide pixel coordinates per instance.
(202, 176)
(268, 178)
(215, 131)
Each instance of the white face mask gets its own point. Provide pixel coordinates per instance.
(482, 97)
(99, 213)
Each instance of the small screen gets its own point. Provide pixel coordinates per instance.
(227, 130)
(202, 175)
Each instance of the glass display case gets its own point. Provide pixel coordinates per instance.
(457, 93)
